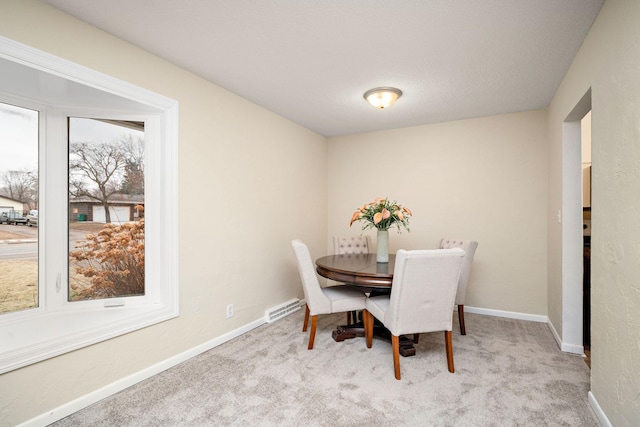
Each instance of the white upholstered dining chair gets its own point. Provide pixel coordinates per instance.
(469, 248)
(352, 245)
(422, 297)
(334, 299)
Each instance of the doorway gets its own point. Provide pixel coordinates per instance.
(585, 137)
(574, 321)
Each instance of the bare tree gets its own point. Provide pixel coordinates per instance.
(134, 169)
(96, 171)
(22, 185)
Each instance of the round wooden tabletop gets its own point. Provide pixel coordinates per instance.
(357, 269)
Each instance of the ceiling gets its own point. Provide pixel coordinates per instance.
(312, 60)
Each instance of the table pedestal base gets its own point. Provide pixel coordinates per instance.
(347, 332)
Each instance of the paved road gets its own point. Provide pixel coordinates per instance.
(23, 245)
(21, 230)
(25, 232)
(19, 251)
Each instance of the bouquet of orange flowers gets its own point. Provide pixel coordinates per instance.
(382, 214)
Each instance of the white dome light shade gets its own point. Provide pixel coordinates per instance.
(382, 97)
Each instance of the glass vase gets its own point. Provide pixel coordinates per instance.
(382, 246)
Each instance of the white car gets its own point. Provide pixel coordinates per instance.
(32, 218)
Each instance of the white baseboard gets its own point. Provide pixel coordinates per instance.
(507, 314)
(572, 348)
(604, 421)
(115, 387)
(555, 334)
(565, 347)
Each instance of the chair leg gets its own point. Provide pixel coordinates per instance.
(312, 334)
(449, 347)
(395, 344)
(365, 325)
(461, 319)
(416, 338)
(306, 319)
(367, 320)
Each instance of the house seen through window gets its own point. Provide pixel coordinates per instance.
(106, 209)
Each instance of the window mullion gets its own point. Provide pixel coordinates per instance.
(54, 206)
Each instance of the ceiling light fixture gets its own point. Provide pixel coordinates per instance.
(382, 97)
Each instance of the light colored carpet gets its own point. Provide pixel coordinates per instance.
(508, 373)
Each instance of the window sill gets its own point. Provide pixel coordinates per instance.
(46, 335)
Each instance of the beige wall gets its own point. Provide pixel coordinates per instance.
(245, 176)
(483, 179)
(609, 64)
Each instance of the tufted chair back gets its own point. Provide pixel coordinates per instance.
(352, 245)
(469, 247)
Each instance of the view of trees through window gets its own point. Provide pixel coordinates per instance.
(18, 205)
(106, 209)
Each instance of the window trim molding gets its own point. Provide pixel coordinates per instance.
(34, 335)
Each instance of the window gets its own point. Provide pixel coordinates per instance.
(106, 196)
(18, 198)
(60, 320)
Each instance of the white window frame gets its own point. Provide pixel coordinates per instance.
(58, 326)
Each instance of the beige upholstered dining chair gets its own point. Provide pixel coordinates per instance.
(352, 245)
(334, 299)
(469, 248)
(422, 297)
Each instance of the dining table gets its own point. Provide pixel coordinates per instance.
(374, 278)
(357, 269)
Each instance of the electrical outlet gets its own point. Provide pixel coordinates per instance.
(229, 311)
